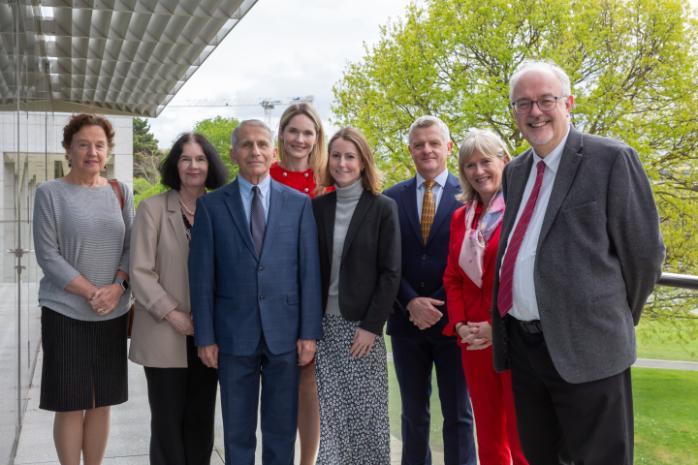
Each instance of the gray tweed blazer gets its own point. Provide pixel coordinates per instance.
(598, 258)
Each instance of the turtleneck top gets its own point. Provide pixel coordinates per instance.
(347, 199)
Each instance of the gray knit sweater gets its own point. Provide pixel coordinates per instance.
(80, 230)
(347, 199)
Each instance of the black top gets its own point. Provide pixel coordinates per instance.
(369, 274)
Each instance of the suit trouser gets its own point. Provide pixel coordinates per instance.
(493, 405)
(562, 423)
(182, 405)
(240, 382)
(414, 358)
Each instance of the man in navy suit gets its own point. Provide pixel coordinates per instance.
(425, 205)
(256, 297)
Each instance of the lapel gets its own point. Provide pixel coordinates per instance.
(233, 201)
(357, 219)
(277, 198)
(517, 175)
(174, 216)
(408, 202)
(448, 199)
(569, 162)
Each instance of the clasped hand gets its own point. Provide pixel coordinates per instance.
(477, 335)
(105, 299)
(423, 312)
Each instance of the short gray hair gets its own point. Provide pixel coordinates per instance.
(540, 65)
(427, 121)
(250, 122)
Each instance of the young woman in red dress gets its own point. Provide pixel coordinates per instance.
(468, 281)
(302, 153)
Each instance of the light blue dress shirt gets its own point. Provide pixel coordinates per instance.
(436, 190)
(246, 195)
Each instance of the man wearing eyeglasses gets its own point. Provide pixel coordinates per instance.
(580, 253)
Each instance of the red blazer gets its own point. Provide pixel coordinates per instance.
(464, 300)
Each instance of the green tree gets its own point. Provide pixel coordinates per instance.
(634, 71)
(146, 155)
(218, 130)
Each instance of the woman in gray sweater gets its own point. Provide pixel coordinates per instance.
(359, 237)
(81, 236)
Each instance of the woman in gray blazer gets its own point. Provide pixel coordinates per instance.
(359, 236)
(181, 390)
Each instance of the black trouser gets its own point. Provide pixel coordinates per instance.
(182, 405)
(563, 423)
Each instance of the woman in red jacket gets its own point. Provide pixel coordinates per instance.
(302, 153)
(468, 280)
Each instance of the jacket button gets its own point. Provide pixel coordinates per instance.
(261, 297)
(424, 256)
(421, 284)
(261, 268)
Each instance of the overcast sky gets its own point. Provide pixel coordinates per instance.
(280, 50)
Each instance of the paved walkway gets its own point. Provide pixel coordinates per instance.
(130, 430)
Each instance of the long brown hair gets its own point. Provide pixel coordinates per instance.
(371, 177)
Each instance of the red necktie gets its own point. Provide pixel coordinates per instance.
(506, 275)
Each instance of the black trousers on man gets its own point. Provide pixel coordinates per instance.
(182, 405)
(563, 423)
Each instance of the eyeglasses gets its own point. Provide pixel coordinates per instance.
(545, 103)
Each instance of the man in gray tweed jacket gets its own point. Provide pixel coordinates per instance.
(580, 253)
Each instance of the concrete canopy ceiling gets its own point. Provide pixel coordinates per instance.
(109, 56)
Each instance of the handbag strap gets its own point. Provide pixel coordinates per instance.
(117, 190)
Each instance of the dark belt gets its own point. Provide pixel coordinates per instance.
(528, 327)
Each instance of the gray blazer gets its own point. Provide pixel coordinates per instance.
(599, 255)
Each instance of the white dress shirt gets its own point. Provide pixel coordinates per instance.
(436, 191)
(524, 302)
(246, 195)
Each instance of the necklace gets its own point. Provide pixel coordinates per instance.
(186, 209)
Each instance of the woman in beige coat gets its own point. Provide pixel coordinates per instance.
(181, 390)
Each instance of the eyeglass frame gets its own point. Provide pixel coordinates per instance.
(555, 99)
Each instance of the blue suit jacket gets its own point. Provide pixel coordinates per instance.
(236, 297)
(422, 264)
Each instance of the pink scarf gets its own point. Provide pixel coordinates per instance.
(472, 251)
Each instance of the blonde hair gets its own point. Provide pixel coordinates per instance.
(318, 154)
(489, 144)
(371, 177)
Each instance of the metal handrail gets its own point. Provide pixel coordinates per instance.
(685, 281)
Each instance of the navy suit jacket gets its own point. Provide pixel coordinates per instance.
(422, 264)
(236, 297)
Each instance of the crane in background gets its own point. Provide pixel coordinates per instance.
(267, 104)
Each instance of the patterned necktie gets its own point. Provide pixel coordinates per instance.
(428, 209)
(257, 221)
(506, 275)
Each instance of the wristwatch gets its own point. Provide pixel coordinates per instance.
(122, 282)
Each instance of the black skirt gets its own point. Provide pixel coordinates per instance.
(84, 362)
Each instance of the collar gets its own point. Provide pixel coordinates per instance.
(246, 186)
(440, 180)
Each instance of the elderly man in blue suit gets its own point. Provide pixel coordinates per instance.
(425, 205)
(256, 300)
